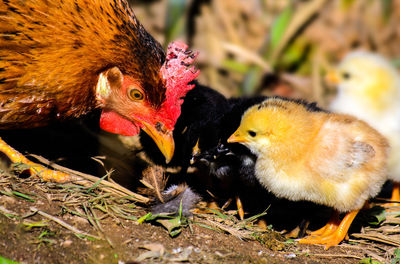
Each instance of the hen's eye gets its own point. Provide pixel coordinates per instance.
(135, 94)
(346, 75)
(252, 133)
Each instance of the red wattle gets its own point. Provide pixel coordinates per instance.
(112, 122)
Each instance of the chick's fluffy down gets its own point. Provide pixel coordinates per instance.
(330, 159)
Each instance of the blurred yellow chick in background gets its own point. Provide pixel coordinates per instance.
(369, 88)
(330, 159)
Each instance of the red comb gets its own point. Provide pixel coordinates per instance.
(177, 75)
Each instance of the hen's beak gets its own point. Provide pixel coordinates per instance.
(236, 138)
(162, 137)
(332, 77)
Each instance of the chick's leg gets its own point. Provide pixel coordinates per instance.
(330, 227)
(335, 237)
(34, 168)
(395, 196)
(396, 193)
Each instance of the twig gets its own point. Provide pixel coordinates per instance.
(248, 55)
(62, 223)
(335, 256)
(241, 234)
(7, 212)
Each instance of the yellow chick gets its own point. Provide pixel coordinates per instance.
(330, 159)
(369, 88)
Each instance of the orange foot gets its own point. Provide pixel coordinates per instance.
(330, 227)
(239, 208)
(333, 232)
(34, 168)
(395, 195)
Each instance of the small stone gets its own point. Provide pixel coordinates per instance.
(66, 243)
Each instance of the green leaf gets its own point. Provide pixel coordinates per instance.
(253, 77)
(90, 238)
(376, 215)
(369, 261)
(346, 4)
(387, 6)
(175, 24)
(7, 261)
(235, 66)
(295, 54)
(396, 257)
(251, 81)
(279, 26)
(28, 225)
(96, 183)
(255, 217)
(174, 225)
(289, 241)
(145, 218)
(24, 196)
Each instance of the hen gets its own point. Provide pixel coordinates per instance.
(62, 59)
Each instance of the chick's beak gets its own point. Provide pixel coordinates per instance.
(162, 137)
(332, 77)
(236, 138)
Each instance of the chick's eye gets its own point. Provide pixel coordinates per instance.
(135, 94)
(252, 133)
(346, 75)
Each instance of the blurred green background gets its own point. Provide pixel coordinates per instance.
(269, 47)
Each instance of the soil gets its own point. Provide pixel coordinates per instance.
(29, 237)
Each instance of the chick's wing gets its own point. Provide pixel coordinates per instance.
(340, 147)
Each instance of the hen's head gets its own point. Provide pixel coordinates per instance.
(152, 103)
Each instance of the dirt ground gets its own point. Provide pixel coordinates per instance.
(88, 221)
(69, 223)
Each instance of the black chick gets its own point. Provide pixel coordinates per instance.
(201, 108)
(200, 135)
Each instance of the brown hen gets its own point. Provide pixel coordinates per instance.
(62, 59)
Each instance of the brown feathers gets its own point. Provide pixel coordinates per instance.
(52, 51)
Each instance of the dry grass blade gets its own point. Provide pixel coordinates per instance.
(62, 223)
(90, 179)
(235, 231)
(241, 229)
(378, 238)
(375, 256)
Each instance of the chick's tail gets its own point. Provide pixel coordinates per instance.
(34, 168)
